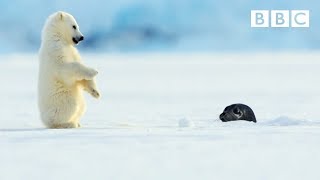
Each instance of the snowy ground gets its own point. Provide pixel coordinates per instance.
(133, 131)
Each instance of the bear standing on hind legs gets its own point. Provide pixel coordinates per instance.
(62, 75)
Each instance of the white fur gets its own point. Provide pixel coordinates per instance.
(62, 75)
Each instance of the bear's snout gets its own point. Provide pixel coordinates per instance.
(76, 40)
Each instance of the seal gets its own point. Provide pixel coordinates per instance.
(236, 112)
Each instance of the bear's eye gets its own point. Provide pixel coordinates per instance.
(74, 27)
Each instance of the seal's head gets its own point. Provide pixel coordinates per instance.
(236, 112)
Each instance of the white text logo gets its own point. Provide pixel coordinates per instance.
(279, 18)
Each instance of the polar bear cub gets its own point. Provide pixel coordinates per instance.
(62, 75)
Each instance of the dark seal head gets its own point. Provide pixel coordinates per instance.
(236, 112)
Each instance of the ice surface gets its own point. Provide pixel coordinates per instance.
(184, 122)
(132, 132)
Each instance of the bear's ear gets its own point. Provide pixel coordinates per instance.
(60, 15)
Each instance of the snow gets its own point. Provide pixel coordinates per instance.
(185, 123)
(133, 131)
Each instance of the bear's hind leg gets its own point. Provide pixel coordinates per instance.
(79, 114)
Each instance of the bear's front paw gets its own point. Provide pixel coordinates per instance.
(95, 93)
(91, 73)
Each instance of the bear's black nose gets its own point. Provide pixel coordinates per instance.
(81, 38)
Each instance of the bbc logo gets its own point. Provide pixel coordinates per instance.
(279, 18)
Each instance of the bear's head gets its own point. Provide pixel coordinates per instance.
(62, 26)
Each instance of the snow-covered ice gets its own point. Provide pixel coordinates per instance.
(184, 122)
(133, 131)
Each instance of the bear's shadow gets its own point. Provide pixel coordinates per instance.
(22, 130)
